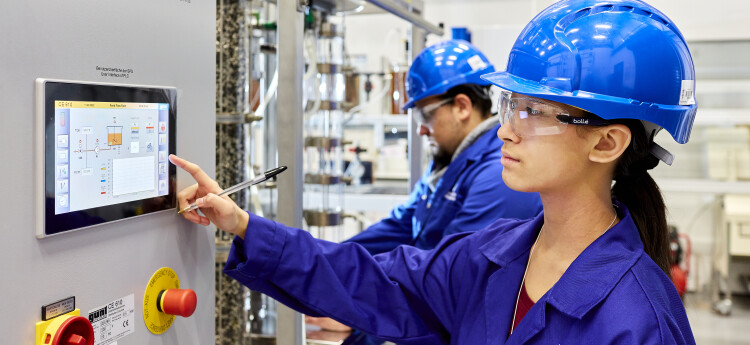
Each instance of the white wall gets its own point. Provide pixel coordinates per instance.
(697, 19)
(701, 20)
(495, 24)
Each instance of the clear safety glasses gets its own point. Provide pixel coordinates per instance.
(424, 115)
(529, 117)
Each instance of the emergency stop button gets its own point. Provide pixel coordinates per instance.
(163, 299)
(180, 302)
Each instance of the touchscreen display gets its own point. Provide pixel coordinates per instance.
(109, 153)
(105, 153)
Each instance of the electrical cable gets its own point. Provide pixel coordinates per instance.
(269, 94)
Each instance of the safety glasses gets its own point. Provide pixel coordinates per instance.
(529, 117)
(424, 115)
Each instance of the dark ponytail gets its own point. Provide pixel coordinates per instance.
(635, 188)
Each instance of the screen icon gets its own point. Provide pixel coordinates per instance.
(62, 186)
(162, 139)
(62, 200)
(162, 126)
(162, 186)
(62, 140)
(62, 156)
(135, 147)
(162, 168)
(162, 156)
(149, 147)
(62, 171)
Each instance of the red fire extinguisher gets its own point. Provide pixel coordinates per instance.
(679, 258)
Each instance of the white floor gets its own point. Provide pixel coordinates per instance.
(712, 329)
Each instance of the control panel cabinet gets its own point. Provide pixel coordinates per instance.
(107, 260)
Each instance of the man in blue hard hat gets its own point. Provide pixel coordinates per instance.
(462, 189)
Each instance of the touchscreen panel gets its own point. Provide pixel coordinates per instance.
(106, 152)
(109, 153)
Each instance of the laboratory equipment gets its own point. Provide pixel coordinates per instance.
(323, 130)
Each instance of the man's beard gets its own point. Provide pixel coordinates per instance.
(440, 158)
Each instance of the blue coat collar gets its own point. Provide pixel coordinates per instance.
(487, 144)
(599, 267)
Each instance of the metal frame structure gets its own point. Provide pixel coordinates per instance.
(418, 37)
(408, 15)
(289, 124)
(289, 142)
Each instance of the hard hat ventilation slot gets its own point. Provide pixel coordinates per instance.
(624, 8)
(641, 12)
(603, 8)
(570, 18)
(659, 18)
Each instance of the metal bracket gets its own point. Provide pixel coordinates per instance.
(400, 10)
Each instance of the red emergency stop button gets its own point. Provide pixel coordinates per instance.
(74, 330)
(180, 302)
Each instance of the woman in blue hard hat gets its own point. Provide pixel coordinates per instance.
(590, 83)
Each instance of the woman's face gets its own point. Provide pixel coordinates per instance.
(540, 154)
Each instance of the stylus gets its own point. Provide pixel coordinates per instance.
(266, 175)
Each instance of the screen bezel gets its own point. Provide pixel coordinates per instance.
(50, 90)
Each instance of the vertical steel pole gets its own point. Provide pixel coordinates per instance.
(290, 325)
(418, 37)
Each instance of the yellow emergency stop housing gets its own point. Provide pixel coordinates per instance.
(156, 321)
(46, 330)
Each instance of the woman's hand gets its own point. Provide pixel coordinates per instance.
(327, 324)
(221, 211)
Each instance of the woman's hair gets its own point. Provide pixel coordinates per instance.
(635, 188)
(478, 94)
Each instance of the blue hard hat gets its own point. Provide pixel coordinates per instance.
(618, 59)
(442, 66)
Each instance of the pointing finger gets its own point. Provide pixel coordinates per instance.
(193, 169)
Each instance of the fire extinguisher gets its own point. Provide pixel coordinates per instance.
(679, 258)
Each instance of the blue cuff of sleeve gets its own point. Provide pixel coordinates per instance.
(359, 338)
(258, 255)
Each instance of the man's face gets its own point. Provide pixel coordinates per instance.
(439, 122)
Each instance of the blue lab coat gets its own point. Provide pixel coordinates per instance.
(464, 291)
(470, 195)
